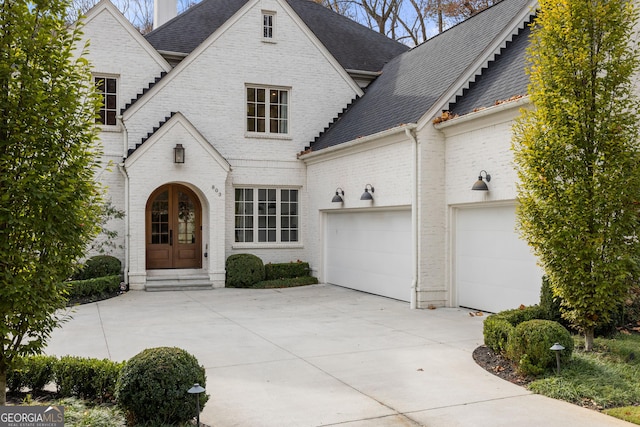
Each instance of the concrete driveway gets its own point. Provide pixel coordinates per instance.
(318, 356)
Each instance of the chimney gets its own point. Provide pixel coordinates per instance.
(163, 11)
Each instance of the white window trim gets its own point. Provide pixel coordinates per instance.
(104, 127)
(267, 134)
(264, 245)
(271, 13)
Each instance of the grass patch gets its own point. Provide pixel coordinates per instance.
(627, 413)
(77, 413)
(602, 379)
(286, 283)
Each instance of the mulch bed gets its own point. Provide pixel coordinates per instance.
(499, 366)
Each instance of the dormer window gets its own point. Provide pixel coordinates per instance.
(268, 25)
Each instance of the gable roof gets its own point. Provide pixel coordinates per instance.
(503, 79)
(414, 82)
(354, 46)
(108, 7)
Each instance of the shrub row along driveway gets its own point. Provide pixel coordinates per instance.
(316, 356)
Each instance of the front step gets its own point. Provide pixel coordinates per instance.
(175, 280)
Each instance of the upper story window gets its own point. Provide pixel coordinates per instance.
(107, 88)
(268, 25)
(267, 110)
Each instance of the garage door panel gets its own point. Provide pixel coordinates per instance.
(494, 269)
(370, 251)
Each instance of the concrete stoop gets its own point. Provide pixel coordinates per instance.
(177, 280)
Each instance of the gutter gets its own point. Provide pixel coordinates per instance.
(410, 131)
(125, 175)
(355, 142)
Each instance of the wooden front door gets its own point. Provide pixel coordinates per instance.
(173, 228)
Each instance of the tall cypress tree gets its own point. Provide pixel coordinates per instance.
(578, 156)
(49, 202)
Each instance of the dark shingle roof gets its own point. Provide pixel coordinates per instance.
(412, 82)
(353, 45)
(188, 30)
(503, 79)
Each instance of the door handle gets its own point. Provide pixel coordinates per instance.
(170, 237)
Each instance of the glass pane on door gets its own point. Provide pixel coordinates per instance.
(160, 219)
(186, 219)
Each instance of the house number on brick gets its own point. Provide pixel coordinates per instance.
(217, 190)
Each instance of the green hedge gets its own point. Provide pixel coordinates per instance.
(286, 283)
(87, 378)
(91, 379)
(101, 286)
(99, 266)
(287, 270)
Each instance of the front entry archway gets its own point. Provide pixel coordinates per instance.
(173, 228)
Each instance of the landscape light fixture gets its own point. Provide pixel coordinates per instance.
(338, 197)
(368, 192)
(178, 154)
(197, 389)
(480, 185)
(557, 348)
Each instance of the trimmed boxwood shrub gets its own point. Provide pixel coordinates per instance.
(153, 386)
(496, 331)
(287, 270)
(99, 266)
(100, 286)
(244, 270)
(87, 378)
(529, 345)
(499, 326)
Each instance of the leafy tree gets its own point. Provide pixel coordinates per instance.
(49, 203)
(453, 11)
(577, 155)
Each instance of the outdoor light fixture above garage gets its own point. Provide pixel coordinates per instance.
(178, 154)
(368, 191)
(338, 197)
(480, 185)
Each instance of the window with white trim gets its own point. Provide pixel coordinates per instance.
(267, 110)
(107, 87)
(268, 25)
(266, 215)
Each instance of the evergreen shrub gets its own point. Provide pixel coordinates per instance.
(87, 378)
(99, 266)
(244, 270)
(288, 270)
(530, 342)
(153, 385)
(93, 288)
(496, 331)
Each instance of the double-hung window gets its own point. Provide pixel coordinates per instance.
(107, 88)
(268, 26)
(267, 110)
(266, 215)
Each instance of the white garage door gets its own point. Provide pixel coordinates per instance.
(370, 251)
(494, 269)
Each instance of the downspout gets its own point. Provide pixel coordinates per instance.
(410, 132)
(125, 175)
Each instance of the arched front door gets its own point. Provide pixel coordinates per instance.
(173, 228)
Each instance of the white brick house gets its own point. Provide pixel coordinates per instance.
(273, 104)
